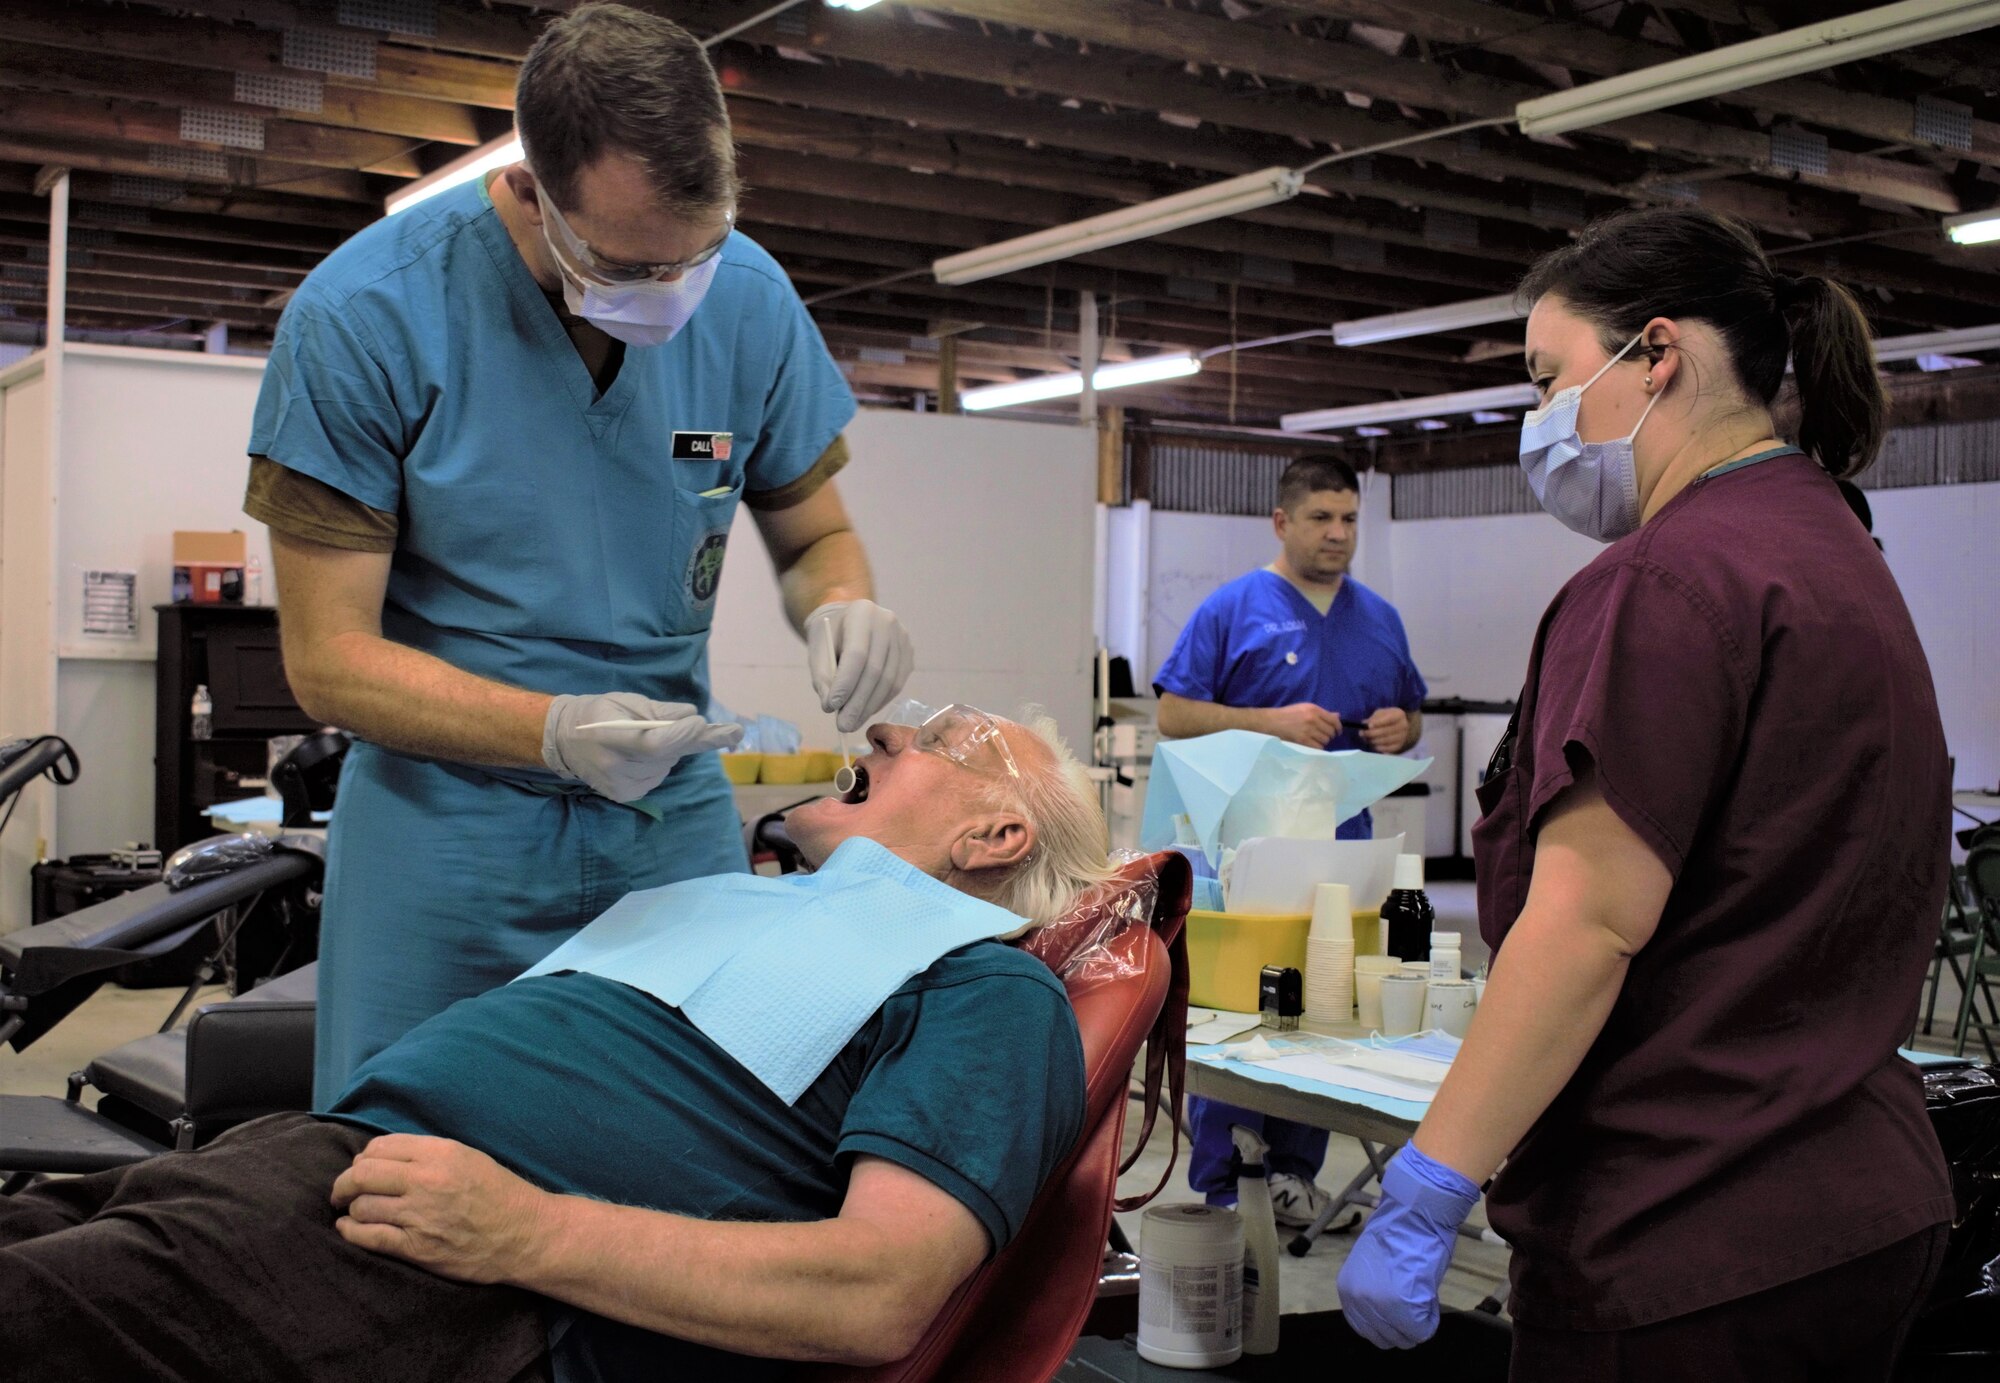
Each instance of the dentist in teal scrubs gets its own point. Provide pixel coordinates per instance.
(501, 441)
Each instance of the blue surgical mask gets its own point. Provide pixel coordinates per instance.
(640, 314)
(1591, 487)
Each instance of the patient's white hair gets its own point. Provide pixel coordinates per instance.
(1072, 846)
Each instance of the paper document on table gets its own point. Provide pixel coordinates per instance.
(1206, 1025)
(1409, 1070)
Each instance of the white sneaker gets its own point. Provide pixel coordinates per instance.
(1295, 1201)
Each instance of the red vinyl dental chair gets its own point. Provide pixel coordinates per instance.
(1016, 1318)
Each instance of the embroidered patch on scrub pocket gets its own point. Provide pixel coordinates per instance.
(704, 569)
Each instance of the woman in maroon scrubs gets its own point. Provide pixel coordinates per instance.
(1711, 861)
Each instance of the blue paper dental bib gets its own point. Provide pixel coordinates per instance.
(780, 973)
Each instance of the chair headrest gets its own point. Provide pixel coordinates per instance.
(1130, 898)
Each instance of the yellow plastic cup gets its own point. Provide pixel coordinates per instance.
(1227, 950)
(742, 768)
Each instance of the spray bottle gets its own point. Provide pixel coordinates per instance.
(1260, 1243)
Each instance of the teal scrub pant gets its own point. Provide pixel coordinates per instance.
(443, 882)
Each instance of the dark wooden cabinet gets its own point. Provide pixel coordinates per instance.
(233, 651)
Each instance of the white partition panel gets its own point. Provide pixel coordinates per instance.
(981, 536)
(27, 674)
(153, 441)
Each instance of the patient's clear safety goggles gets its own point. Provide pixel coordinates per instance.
(576, 256)
(966, 735)
(969, 737)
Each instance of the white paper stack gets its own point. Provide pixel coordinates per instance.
(1329, 984)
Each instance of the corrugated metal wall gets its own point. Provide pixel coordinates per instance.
(1196, 477)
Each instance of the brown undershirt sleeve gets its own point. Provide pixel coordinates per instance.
(293, 503)
(830, 463)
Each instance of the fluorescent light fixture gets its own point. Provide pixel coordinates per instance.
(1481, 403)
(1407, 410)
(1432, 424)
(851, 4)
(1974, 227)
(1761, 60)
(1209, 203)
(1423, 321)
(495, 153)
(1986, 338)
(1148, 371)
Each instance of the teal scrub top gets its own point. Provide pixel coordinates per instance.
(550, 538)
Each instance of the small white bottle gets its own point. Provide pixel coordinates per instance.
(1260, 1243)
(253, 581)
(201, 715)
(1444, 956)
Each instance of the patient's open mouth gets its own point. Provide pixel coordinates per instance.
(852, 784)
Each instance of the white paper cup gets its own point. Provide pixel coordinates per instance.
(1448, 1005)
(1333, 914)
(1368, 998)
(1479, 991)
(1402, 997)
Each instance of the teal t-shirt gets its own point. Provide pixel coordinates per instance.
(970, 1075)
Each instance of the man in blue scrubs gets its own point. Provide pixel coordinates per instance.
(1302, 651)
(501, 441)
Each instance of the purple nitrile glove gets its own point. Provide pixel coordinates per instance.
(1389, 1284)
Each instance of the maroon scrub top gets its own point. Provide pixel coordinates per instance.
(1743, 677)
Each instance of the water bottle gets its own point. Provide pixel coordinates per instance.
(253, 581)
(202, 710)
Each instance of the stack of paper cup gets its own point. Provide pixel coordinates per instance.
(1330, 957)
(1368, 973)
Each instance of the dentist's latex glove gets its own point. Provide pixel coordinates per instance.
(859, 656)
(625, 762)
(1389, 1284)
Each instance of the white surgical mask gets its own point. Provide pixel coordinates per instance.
(650, 313)
(1591, 487)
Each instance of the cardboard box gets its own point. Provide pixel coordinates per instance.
(208, 567)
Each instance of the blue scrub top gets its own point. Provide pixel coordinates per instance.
(1257, 642)
(549, 538)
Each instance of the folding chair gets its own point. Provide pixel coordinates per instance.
(1982, 875)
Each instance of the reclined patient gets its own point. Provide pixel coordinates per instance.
(572, 1177)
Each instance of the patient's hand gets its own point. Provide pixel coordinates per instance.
(440, 1205)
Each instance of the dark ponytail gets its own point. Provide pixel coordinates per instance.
(1686, 263)
(1842, 409)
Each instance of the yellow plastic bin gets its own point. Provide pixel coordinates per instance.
(1226, 950)
(785, 768)
(825, 763)
(742, 768)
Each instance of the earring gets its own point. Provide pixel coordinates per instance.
(1649, 381)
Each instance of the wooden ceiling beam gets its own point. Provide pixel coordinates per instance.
(1143, 27)
(842, 216)
(91, 27)
(119, 264)
(1600, 53)
(197, 309)
(194, 255)
(762, 125)
(158, 221)
(1503, 174)
(352, 108)
(106, 156)
(139, 122)
(1130, 327)
(1261, 311)
(479, 31)
(1023, 209)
